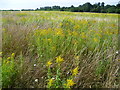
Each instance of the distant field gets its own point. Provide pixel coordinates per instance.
(52, 49)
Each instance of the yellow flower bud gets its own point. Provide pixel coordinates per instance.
(13, 54)
(8, 58)
(48, 63)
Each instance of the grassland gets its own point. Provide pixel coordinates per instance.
(48, 49)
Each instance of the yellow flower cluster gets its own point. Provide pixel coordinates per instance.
(8, 60)
(59, 59)
(83, 35)
(75, 71)
(50, 82)
(76, 27)
(69, 83)
(77, 57)
(59, 32)
(74, 33)
(48, 63)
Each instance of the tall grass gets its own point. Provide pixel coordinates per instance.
(85, 41)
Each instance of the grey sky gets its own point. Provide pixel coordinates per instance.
(33, 4)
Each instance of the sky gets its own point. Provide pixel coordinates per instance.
(33, 4)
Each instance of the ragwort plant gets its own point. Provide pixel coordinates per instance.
(58, 81)
(9, 72)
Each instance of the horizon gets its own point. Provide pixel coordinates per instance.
(20, 4)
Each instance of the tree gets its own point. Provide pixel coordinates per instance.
(102, 7)
(98, 4)
(56, 7)
(102, 4)
(111, 10)
(87, 7)
(36, 9)
(96, 8)
(72, 6)
(47, 8)
(118, 5)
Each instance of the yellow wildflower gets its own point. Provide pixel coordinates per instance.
(74, 33)
(74, 41)
(13, 54)
(8, 58)
(0, 53)
(91, 30)
(49, 40)
(60, 24)
(59, 59)
(96, 40)
(83, 35)
(69, 32)
(113, 25)
(7, 62)
(59, 32)
(4, 29)
(76, 27)
(75, 71)
(69, 83)
(99, 34)
(48, 63)
(77, 57)
(43, 32)
(50, 82)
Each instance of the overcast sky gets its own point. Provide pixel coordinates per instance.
(33, 4)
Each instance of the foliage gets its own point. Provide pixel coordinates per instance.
(9, 72)
(60, 50)
(87, 7)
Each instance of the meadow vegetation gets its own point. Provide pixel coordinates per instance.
(53, 49)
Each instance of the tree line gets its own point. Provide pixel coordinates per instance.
(87, 7)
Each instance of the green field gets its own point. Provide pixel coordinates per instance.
(53, 49)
